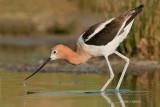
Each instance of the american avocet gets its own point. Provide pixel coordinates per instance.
(101, 39)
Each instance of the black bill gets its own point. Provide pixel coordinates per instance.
(39, 68)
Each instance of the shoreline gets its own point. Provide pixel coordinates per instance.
(136, 67)
(95, 65)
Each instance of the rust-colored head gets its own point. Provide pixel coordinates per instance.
(63, 52)
(59, 52)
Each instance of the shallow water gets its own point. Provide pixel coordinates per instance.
(77, 90)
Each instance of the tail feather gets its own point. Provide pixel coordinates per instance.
(133, 13)
(137, 9)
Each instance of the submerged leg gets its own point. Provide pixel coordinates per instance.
(111, 75)
(121, 99)
(124, 69)
(108, 99)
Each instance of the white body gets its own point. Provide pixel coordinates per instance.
(108, 48)
(102, 39)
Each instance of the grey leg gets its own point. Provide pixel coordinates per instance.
(109, 101)
(124, 69)
(111, 75)
(121, 99)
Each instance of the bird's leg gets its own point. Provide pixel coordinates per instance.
(124, 69)
(121, 99)
(108, 99)
(111, 75)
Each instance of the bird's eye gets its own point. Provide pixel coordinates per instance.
(54, 51)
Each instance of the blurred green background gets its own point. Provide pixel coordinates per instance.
(71, 17)
(29, 28)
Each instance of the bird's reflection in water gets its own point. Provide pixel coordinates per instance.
(109, 100)
(80, 98)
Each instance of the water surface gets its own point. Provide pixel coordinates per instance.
(77, 90)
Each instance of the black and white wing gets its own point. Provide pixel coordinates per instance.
(104, 32)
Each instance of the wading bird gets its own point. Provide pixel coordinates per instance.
(101, 39)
